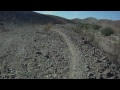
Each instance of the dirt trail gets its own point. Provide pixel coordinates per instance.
(57, 53)
(75, 58)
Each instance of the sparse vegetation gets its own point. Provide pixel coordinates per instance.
(90, 26)
(88, 30)
(48, 26)
(107, 31)
(86, 26)
(96, 27)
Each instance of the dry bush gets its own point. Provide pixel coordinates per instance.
(107, 31)
(48, 26)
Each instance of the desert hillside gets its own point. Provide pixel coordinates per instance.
(30, 17)
(37, 46)
(115, 24)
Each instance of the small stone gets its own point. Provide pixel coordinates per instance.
(24, 65)
(82, 38)
(87, 68)
(13, 76)
(90, 74)
(103, 58)
(116, 77)
(25, 58)
(85, 42)
(47, 56)
(47, 76)
(38, 53)
(101, 77)
(35, 40)
(54, 75)
(109, 75)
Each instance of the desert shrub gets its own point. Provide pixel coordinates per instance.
(48, 26)
(86, 26)
(82, 26)
(90, 26)
(107, 31)
(96, 27)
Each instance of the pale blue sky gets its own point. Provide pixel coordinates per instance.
(114, 15)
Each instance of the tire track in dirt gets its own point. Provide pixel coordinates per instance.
(75, 58)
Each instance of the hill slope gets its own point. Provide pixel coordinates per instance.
(30, 17)
(103, 22)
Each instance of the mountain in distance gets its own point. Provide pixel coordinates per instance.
(103, 22)
(86, 20)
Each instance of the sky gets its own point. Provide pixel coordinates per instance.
(112, 15)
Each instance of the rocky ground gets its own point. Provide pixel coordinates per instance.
(29, 52)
